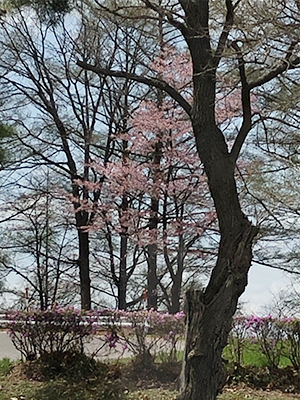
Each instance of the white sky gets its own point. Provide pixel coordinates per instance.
(263, 284)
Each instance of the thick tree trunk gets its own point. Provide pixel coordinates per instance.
(152, 276)
(83, 261)
(175, 294)
(209, 313)
(152, 280)
(123, 278)
(84, 270)
(177, 278)
(209, 317)
(122, 284)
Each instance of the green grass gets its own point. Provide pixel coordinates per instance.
(5, 366)
(252, 356)
(91, 387)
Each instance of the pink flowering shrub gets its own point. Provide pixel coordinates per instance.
(275, 337)
(146, 334)
(237, 338)
(291, 349)
(58, 330)
(268, 332)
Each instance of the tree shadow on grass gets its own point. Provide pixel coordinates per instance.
(63, 390)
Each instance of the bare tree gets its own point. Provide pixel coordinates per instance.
(38, 237)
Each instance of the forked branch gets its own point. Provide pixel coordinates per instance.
(155, 82)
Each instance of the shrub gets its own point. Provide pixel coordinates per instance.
(147, 334)
(269, 334)
(68, 365)
(58, 330)
(237, 338)
(291, 329)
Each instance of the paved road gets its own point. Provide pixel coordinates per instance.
(8, 350)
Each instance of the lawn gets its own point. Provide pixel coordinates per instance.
(116, 382)
(252, 356)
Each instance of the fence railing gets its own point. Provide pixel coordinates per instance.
(101, 321)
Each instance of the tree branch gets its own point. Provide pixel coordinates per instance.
(163, 12)
(264, 264)
(286, 65)
(155, 82)
(246, 105)
(226, 29)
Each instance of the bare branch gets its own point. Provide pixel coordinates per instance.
(163, 12)
(226, 29)
(246, 105)
(286, 65)
(264, 264)
(155, 82)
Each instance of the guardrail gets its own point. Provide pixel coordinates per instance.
(101, 321)
(3, 321)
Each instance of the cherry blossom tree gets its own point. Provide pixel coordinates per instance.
(161, 182)
(259, 51)
(155, 197)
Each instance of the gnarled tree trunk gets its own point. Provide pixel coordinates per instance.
(209, 316)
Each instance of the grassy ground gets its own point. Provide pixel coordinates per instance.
(252, 356)
(60, 389)
(118, 382)
(29, 381)
(228, 394)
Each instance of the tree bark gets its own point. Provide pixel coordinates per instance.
(177, 278)
(175, 294)
(209, 317)
(83, 260)
(152, 280)
(152, 276)
(123, 277)
(122, 283)
(209, 313)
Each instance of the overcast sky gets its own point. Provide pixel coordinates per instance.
(263, 284)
